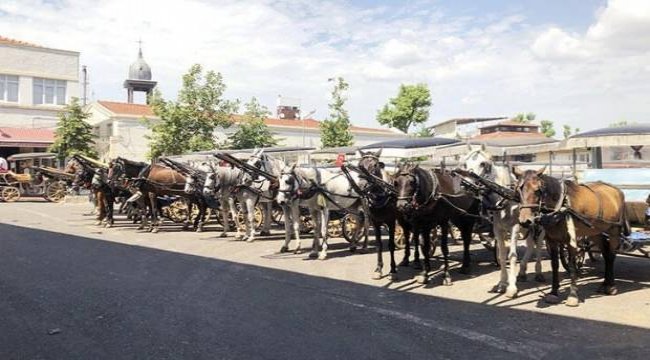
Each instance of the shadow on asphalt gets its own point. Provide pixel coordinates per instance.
(100, 299)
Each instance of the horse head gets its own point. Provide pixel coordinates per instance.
(370, 161)
(288, 185)
(532, 191)
(478, 160)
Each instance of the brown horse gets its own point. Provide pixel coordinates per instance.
(567, 211)
(84, 174)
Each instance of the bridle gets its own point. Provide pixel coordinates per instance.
(295, 192)
(413, 199)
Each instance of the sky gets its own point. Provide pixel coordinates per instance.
(585, 63)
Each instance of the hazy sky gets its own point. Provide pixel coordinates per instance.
(581, 62)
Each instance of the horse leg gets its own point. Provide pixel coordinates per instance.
(188, 218)
(466, 233)
(203, 207)
(366, 223)
(110, 207)
(224, 207)
(539, 236)
(416, 249)
(380, 262)
(444, 246)
(315, 216)
(250, 220)
(511, 291)
(407, 247)
(324, 223)
(288, 224)
(553, 297)
(423, 278)
(608, 249)
(295, 221)
(242, 202)
(501, 253)
(391, 249)
(573, 298)
(266, 227)
(155, 221)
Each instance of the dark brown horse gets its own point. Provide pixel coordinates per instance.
(91, 174)
(428, 199)
(568, 210)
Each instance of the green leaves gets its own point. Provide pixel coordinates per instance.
(335, 131)
(524, 118)
(73, 134)
(411, 106)
(252, 132)
(189, 123)
(547, 128)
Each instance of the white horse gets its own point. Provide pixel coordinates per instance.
(258, 189)
(506, 221)
(220, 182)
(320, 191)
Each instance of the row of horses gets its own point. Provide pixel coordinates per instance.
(516, 203)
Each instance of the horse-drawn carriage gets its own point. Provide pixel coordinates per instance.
(36, 180)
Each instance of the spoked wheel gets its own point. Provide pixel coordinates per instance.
(277, 215)
(195, 213)
(306, 224)
(177, 211)
(334, 229)
(400, 241)
(350, 225)
(258, 217)
(10, 193)
(55, 192)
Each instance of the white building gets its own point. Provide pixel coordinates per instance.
(122, 130)
(35, 84)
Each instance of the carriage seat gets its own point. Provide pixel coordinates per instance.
(15, 177)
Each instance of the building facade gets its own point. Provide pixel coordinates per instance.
(35, 84)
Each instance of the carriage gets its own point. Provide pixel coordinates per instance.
(40, 177)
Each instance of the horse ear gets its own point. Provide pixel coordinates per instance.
(517, 172)
(293, 167)
(541, 171)
(483, 148)
(378, 154)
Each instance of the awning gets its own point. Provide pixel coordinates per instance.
(411, 147)
(26, 137)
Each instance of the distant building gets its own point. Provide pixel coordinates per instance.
(35, 84)
(508, 129)
(463, 128)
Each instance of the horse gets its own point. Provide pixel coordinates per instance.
(381, 199)
(504, 214)
(568, 210)
(121, 173)
(220, 183)
(320, 191)
(254, 189)
(91, 174)
(429, 198)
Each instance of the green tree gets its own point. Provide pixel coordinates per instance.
(547, 128)
(73, 134)
(622, 123)
(253, 131)
(411, 106)
(188, 124)
(566, 131)
(524, 118)
(335, 131)
(423, 131)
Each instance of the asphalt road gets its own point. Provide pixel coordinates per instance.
(72, 297)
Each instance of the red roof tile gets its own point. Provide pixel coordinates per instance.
(9, 41)
(121, 108)
(26, 135)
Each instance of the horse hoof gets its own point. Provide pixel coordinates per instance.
(404, 263)
(540, 278)
(265, 233)
(239, 238)
(199, 229)
(322, 255)
(393, 276)
(572, 301)
(608, 290)
(498, 289)
(447, 281)
(464, 270)
(284, 249)
(511, 293)
(155, 230)
(551, 299)
(522, 278)
(223, 235)
(421, 279)
(250, 239)
(377, 275)
(313, 255)
(298, 251)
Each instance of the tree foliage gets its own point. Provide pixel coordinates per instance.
(423, 131)
(621, 123)
(566, 131)
(410, 107)
(335, 130)
(253, 131)
(73, 134)
(524, 118)
(188, 124)
(547, 128)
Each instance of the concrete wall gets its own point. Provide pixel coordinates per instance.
(28, 63)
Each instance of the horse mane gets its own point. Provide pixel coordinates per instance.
(552, 188)
(133, 163)
(426, 183)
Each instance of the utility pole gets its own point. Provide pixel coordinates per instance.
(84, 97)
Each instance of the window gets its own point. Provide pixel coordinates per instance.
(9, 88)
(49, 91)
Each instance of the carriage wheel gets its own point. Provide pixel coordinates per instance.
(564, 257)
(55, 192)
(177, 211)
(10, 193)
(195, 213)
(277, 215)
(306, 225)
(349, 225)
(400, 241)
(258, 217)
(334, 229)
